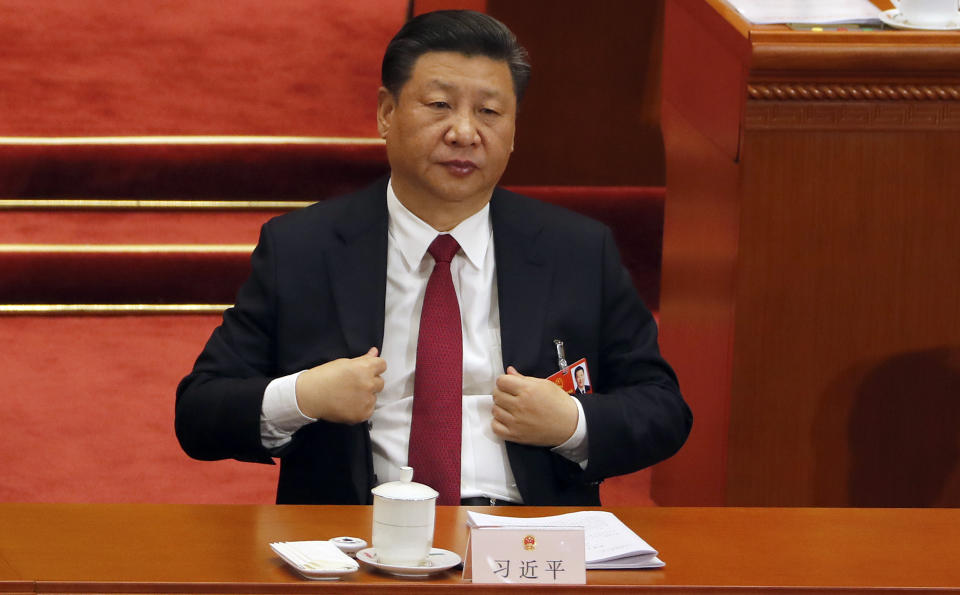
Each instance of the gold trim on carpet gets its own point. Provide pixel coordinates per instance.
(103, 309)
(126, 248)
(82, 203)
(187, 140)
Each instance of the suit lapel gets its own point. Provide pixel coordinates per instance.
(523, 281)
(358, 269)
(524, 275)
(358, 263)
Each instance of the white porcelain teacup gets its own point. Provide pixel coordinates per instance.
(403, 519)
(928, 13)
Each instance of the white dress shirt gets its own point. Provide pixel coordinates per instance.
(485, 469)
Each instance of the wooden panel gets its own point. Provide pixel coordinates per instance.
(701, 135)
(591, 113)
(846, 369)
(848, 348)
(833, 54)
(697, 306)
(701, 51)
(839, 214)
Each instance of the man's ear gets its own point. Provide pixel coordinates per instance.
(386, 104)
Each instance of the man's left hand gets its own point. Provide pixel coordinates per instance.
(530, 410)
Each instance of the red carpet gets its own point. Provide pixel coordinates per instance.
(94, 227)
(221, 168)
(88, 414)
(634, 213)
(142, 67)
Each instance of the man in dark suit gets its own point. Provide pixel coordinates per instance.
(581, 388)
(318, 362)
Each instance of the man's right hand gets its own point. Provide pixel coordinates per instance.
(343, 390)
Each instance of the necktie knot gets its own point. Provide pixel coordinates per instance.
(443, 248)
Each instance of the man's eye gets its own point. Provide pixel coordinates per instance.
(489, 111)
(439, 104)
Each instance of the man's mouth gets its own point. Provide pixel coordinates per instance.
(460, 168)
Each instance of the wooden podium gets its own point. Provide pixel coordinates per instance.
(810, 295)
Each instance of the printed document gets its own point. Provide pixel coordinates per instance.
(766, 12)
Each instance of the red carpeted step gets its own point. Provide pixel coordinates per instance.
(133, 255)
(201, 276)
(139, 67)
(204, 168)
(88, 414)
(202, 255)
(82, 223)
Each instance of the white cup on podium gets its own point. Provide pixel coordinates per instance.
(928, 13)
(403, 521)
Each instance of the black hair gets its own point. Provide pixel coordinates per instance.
(579, 369)
(464, 31)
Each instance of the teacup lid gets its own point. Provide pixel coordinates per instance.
(405, 489)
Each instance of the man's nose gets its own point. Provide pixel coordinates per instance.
(463, 130)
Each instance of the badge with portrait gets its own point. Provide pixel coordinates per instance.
(574, 379)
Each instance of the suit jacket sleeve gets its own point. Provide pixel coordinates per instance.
(218, 403)
(290, 316)
(636, 416)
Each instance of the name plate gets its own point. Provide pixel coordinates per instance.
(526, 555)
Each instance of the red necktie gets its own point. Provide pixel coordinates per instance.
(434, 451)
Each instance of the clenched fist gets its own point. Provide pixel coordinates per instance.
(343, 390)
(531, 410)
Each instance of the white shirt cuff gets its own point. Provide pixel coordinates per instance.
(280, 416)
(576, 448)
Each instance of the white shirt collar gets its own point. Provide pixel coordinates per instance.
(413, 235)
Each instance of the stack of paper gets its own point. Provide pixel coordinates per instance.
(817, 12)
(608, 542)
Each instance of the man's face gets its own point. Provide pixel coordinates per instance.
(450, 132)
(579, 375)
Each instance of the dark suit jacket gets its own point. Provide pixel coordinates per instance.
(316, 293)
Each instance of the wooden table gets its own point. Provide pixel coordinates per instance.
(143, 548)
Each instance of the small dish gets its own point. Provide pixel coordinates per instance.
(316, 560)
(438, 561)
(349, 545)
(893, 18)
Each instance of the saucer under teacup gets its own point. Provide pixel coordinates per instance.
(893, 18)
(438, 561)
